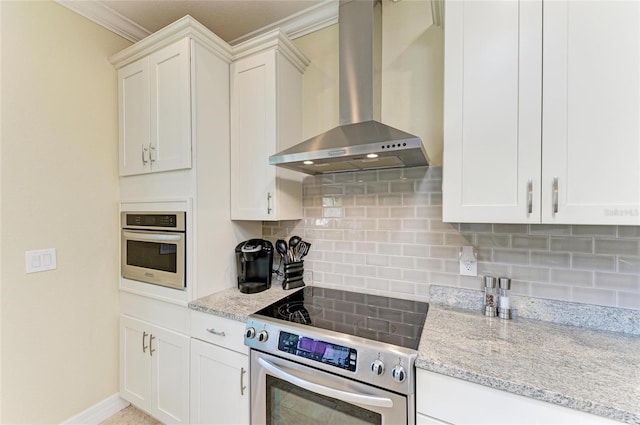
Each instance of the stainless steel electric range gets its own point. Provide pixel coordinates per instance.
(326, 356)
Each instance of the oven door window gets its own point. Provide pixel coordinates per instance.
(152, 255)
(288, 404)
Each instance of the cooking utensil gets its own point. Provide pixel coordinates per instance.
(283, 250)
(293, 243)
(303, 249)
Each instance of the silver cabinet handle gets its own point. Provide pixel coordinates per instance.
(555, 195)
(144, 347)
(145, 154)
(151, 349)
(269, 209)
(215, 332)
(152, 153)
(530, 196)
(242, 386)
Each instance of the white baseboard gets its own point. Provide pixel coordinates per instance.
(99, 412)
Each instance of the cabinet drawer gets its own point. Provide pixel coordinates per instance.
(218, 330)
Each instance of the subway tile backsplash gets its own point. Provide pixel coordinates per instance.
(381, 232)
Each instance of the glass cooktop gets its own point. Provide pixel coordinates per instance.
(390, 320)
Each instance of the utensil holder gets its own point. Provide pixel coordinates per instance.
(293, 275)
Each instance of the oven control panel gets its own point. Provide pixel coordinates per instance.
(352, 357)
(320, 351)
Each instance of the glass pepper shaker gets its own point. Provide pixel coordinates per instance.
(490, 296)
(504, 304)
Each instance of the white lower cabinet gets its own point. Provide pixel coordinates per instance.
(219, 371)
(426, 420)
(441, 400)
(219, 385)
(154, 369)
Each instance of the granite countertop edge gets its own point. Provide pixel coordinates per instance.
(222, 304)
(220, 313)
(588, 406)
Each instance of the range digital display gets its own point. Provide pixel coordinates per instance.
(320, 351)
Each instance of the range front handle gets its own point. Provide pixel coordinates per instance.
(366, 400)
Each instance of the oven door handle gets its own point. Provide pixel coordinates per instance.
(362, 399)
(152, 237)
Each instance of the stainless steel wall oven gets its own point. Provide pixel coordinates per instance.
(154, 248)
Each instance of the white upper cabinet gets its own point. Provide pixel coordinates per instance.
(133, 94)
(155, 111)
(493, 66)
(542, 135)
(266, 117)
(591, 112)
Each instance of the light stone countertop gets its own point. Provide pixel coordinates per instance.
(588, 370)
(233, 304)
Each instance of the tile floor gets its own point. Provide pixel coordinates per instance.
(131, 416)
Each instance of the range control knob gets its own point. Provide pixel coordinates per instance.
(377, 367)
(263, 336)
(250, 333)
(398, 374)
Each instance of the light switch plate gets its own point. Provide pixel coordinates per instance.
(40, 260)
(468, 261)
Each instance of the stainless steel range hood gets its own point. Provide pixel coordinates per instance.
(360, 142)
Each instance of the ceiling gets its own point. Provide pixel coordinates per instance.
(231, 20)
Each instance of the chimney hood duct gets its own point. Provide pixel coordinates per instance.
(360, 142)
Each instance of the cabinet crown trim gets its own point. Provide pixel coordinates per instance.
(275, 39)
(184, 27)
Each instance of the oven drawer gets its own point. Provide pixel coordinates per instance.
(218, 330)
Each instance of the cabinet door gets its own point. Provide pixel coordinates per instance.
(133, 99)
(591, 113)
(135, 366)
(211, 401)
(492, 111)
(253, 133)
(170, 376)
(170, 70)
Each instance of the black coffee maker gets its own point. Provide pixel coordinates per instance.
(254, 261)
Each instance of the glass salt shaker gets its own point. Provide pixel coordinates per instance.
(490, 296)
(504, 305)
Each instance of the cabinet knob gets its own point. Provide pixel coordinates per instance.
(530, 196)
(145, 154)
(152, 153)
(151, 349)
(215, 332)
(555, 195)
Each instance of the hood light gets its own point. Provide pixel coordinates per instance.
(372, 155)
(308, 162)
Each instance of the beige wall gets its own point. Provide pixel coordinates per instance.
(59, 190)
(412, 75)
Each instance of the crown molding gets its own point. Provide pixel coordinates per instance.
(183, 27)
(103, 15)
(273, 39)
(302, 23)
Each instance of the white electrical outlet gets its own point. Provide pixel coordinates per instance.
(40, 260)
(468, 261)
